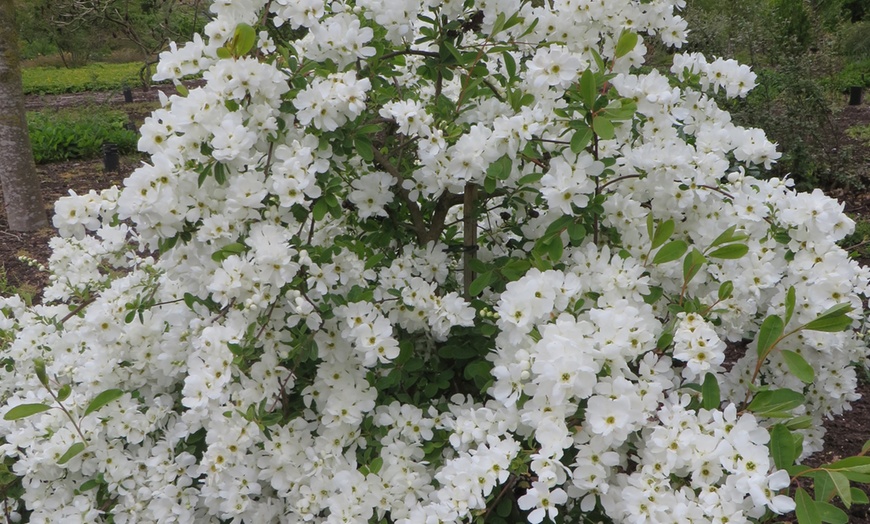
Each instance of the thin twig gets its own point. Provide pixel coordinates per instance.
(417, 52)
(77, 310)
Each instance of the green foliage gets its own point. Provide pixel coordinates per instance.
(93, 77)
(805, 55)
(858, 243)
(60, 135)
(80, 32)
(853, 40)
(861, 133)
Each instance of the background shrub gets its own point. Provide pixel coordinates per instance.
(59, 135)
(92, 77)
(806, 54)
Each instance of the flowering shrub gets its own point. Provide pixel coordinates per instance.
(421, 262)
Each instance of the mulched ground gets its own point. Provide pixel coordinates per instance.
(846, 435)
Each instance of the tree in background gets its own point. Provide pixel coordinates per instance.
(806, 54)
(80, 28)
(24, 208)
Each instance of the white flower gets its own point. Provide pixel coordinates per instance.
(553, 66)
(371, 192)
(543, 500)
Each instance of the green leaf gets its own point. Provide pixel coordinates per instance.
(414, 364)
(557, 226)
(182, 90)
(530, 179)
(789, 304)
(862, 478)
(798, 470)
(515, 269)
(510, 64)
(649, 225)
(725, 290)
(588, 88)
(832, 514)
(223, 52)
(627, 41)
(576, 232)
(39, 367)
(603, 128)
(505, 167)
(498, 25)
(663, 233)
(782, 447)
(860, 464)
(771, 330)
(64, 392)
(555, 248)
(376, 464)
(725, 237)
(597, 57)
(841, 484)
(775, 401)
(710, 392)
(89, 485)
(479, 372)
(859, 497)
(73, 450)
(623, 109)
(798, 366)
(665, 340)
(670, 252)
(25, 410)
(730, 251)
(692, 264)
(581, 138)
(806, 510)
(655, 293)
(228, 250)
(823, 485)
(220, 173)
(244, 39)
(458, 352)
(833, 320)
(801, 422)
(102, 399)
(489, 184)
(320, 209)
(364, 148)
(830, 325)
(480, 283)
(500, 169)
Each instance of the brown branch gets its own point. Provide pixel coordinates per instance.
(618, 179)
(507, 487)
(470, 233)
(492, 88)
(417, 52)
(446, 201)
(413, 208)
(78, 309)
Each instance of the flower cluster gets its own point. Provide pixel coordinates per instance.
(429, 261)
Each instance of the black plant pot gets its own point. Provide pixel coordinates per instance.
(855, 95)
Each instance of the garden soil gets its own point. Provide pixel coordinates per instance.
(845, 435)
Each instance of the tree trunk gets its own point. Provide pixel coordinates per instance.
(21, 192)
